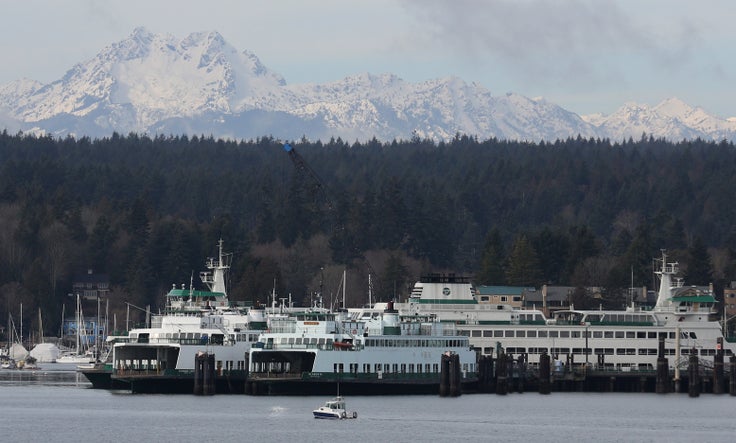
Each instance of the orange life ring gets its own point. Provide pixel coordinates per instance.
(355, 331)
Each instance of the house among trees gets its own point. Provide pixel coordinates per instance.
(90, 286)
(549, 298)
(502, 295)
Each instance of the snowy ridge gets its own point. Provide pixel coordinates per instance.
(158, 84)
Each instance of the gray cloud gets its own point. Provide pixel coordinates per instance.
(559, 38)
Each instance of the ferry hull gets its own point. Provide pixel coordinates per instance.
(178, 383)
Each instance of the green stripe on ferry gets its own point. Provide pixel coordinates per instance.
(441, 301)
(187, 292)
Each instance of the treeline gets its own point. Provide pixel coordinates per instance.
(149, 210)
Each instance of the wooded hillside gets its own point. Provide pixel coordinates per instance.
(148, 211)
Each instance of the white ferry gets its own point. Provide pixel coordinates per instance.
(625, 340)
(375, 353)
(161, 358)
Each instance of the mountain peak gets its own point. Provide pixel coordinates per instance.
(151, 82)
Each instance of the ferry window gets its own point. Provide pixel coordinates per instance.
(564, 334)
(630, 334)
(620, 351)
(386, 367)
(651, 334)
(509, 333)
(487, 333)
(283, 340)
(291, 340)
(692, 335)
(487, 351)
(436, 367)
(575, 334)
(411, 367)
(396, 367)
(641, 334)
(403, 368)
(366, 368)
(686, 351)
(531, 333)
(553, 334)
(419, 368)
(521, 333)
(542, 333)
(619, 334)
(475, 333)
(377, 367)
(630, 351)
(608, 334)
(664, 335)
(321, 341)
(426, 368)
(498, 333)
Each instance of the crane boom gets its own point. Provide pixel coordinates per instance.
(302, 166)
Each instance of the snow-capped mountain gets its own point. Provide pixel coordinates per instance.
(157, 84)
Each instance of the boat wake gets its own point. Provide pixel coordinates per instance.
(277, 410)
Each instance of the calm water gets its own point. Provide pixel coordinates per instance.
(58, 407)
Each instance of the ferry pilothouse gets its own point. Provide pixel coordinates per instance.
(606, 339)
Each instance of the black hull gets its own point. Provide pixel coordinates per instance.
(102, 379)
(177, 384)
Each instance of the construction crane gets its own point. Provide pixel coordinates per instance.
(303, 168)
(337, 226)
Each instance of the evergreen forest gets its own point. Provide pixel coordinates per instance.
(148, 211)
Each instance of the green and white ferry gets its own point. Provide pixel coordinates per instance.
(161, 358)
(625, 340)
(365, 353)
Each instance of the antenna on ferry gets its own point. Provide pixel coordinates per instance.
(370, 287)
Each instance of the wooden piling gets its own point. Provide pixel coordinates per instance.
(732, 376)
(455, 376)
(663, 370)
(693, 375)
(544, 373)
(502, 382)
(204, 374)
(718, 368)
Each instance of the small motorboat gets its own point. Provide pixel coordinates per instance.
(334, 410)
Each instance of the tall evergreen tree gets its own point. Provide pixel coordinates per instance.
(491, 270)
(699, 267)
(523, 265)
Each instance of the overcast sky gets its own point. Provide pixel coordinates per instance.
(585, 55)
